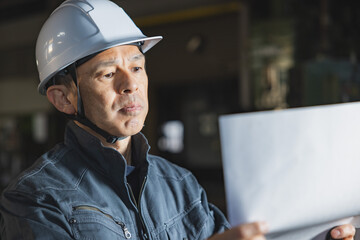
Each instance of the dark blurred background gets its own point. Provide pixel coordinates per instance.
(217, 57)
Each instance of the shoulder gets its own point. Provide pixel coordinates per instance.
(166, 169)
(164, 173)
(51, 171)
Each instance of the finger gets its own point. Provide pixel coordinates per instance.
(344, 231)
(250, 230)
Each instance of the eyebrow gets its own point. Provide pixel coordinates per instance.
(111, 62)
(136, 57)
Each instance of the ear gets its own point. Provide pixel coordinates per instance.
(62, 98)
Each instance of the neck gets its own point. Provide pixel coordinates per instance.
(122, 146)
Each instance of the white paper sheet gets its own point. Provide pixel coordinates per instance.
(295, 168)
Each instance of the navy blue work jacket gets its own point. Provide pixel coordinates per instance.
(79, 190)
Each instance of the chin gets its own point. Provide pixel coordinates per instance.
(129, 129)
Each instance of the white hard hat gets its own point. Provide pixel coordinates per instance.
(79, 28)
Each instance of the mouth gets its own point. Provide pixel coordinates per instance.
(132, 108)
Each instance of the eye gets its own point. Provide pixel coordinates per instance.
(109, 75)
(136, 69)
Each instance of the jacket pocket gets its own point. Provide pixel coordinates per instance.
(189, 224)
(88, 222)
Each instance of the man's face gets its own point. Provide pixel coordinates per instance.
(113, 88)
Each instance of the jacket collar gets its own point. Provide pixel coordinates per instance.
(105, 159)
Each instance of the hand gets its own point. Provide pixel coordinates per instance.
(250, 231)
(345, 232)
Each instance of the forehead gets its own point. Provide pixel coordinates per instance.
(124, 53)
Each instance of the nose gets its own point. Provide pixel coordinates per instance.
(128, 84)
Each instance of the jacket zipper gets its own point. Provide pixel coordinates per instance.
(121, 224)
(137, 204)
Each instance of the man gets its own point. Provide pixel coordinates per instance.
(101, 183)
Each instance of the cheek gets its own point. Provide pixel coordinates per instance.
(144, 89)
(96, 100)
(145, 94)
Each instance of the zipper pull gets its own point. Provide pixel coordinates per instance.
(124, 228)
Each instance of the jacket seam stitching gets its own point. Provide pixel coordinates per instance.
(56, 158)
(202, 228)
(186, 210)
(181, 178)
(183, 213)
(81, 177)
(152, 159)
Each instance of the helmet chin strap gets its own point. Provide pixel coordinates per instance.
(80, 116)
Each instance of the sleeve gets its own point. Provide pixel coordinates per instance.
(24, 217)
(221, 223)
(216, 220)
